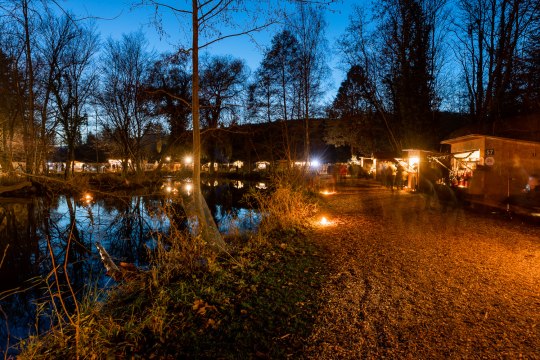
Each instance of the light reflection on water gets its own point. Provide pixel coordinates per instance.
(30, 229)
(238, 221)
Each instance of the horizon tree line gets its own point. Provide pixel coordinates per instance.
(408, 61)
(55, 71)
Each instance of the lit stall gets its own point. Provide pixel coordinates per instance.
(420, 168)
(492, 168)
(463, 165)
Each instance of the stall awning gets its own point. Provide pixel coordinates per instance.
(472, 155)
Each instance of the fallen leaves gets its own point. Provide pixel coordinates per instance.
(201, 307)
(405, 283)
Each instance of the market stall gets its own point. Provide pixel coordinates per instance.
(463, 165)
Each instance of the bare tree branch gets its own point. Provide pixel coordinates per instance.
(162, 91)
(215, 10)
(256, 29)
(167, 6)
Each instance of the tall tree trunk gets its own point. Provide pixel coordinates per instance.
(306, 115)
(29, 128)
(285, 132)
(70, 160)
(207, 226)
(4, 151)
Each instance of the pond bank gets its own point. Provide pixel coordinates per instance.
(256, 301)
(41, 185)
(190, 301)
(386, 276)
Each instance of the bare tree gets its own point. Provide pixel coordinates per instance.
(29, 125)
(530, 72)
(360, 48)
(168, 94)
(22, 19)
(490, 39)
(37, 41)
(54, 36)
(205, 16)
(308, 26)
(10, 117)
(72, 78)
(223, 80)
(211, 21)
(124, 67)
(399, 63)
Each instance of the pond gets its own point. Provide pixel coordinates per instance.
(38, 235)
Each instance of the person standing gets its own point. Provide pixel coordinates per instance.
(393, 175)
(399, 177)
(342, 172)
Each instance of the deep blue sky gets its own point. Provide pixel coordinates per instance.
(116, 17)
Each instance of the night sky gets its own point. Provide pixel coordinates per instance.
(116, 17)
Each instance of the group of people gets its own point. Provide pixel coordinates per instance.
(393, 176)
(532, 184)
(338, 171)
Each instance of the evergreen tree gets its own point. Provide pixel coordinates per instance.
(277, 84)
(409, 77)
(352, 120)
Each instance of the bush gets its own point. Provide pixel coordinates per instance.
(287, 206)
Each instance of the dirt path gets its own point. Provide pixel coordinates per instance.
(424, 284)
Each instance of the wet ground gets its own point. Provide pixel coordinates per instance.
(410, 279)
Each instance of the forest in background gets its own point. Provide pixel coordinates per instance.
(406, 62)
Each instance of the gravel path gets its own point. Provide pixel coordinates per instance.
(411, 282)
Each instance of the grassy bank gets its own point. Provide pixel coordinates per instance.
(256, 300)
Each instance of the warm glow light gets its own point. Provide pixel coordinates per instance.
(168, 189)
(87, 198)
(414, 160)
(168, 158)
(188, 188)
(188, 159)
(324, 222)
(261, 185)
(327, 192)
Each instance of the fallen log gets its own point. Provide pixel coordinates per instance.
(126, 271)
(112, 270)
(15, 187)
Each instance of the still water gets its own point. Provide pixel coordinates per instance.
(39, 234)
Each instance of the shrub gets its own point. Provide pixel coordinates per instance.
(287, 206)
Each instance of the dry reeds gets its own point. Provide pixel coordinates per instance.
(158, 311)
(287, 206)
